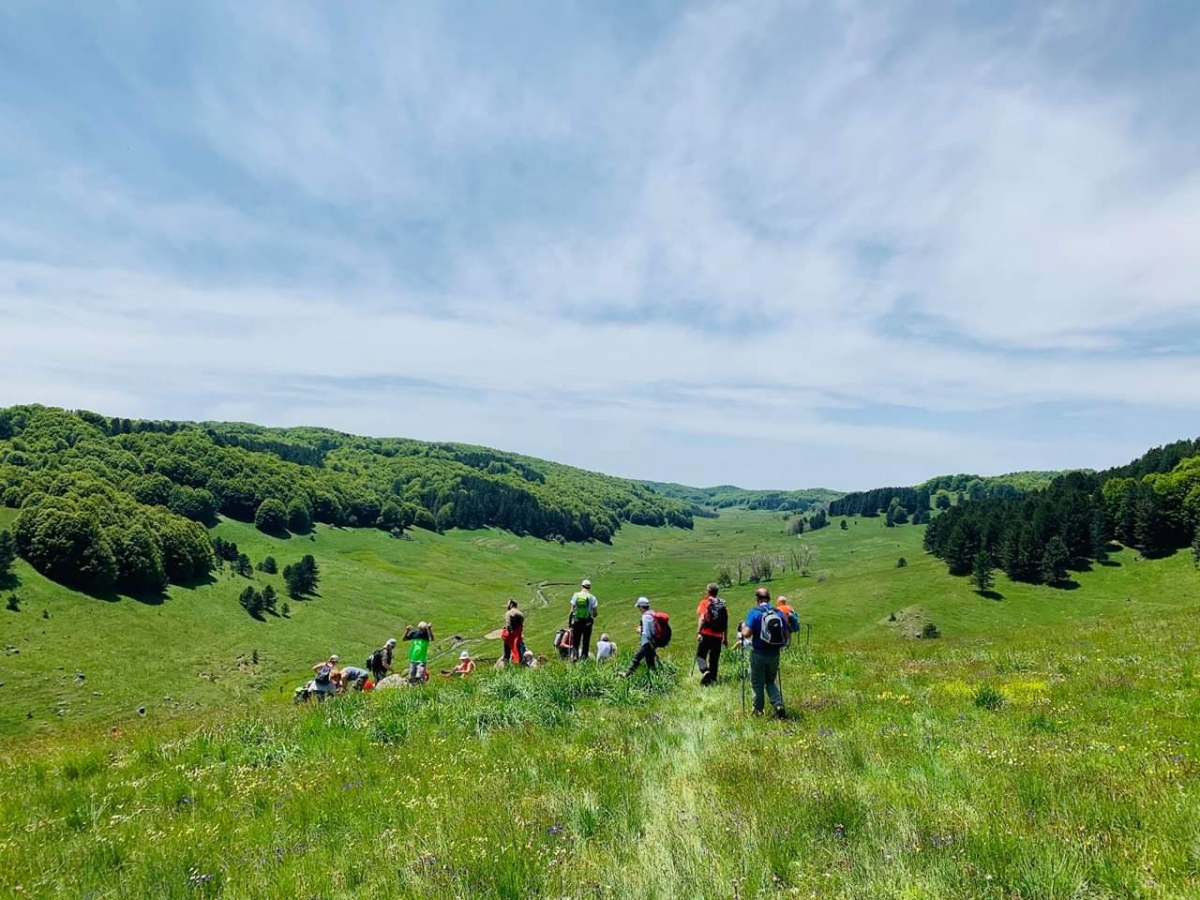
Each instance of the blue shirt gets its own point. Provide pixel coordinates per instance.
(754, 621)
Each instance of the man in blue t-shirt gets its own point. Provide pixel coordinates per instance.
(767, 637)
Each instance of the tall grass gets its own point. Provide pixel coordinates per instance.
(889, 780)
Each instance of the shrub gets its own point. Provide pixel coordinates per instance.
(13, 604)
(930, 631)
(901, 563)
(987, 697)
(268, 565)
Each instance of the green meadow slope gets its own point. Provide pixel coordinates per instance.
(198, 650)
(1047, 746)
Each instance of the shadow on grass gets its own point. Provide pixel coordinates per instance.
(150, 598)
(1065, 586)
(194, 583)
(107, 594)
(10, 582)
(990, 595)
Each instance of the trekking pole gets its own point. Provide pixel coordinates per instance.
(807, 635)
(743, 667)
(779, 682)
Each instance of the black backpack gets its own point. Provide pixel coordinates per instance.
(375, 661)
(716, 615)
(772, 630)
(323, 674)
(516, 619)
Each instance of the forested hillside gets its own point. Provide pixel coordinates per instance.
(940, 492)
(1152, 504)
(727, 496)
(113, 503)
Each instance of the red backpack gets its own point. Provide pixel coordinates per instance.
(660, 634)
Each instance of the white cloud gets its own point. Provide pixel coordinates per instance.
(769, 215)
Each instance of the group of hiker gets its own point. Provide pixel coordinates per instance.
(765, 631)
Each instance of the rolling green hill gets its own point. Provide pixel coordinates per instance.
(727, 496)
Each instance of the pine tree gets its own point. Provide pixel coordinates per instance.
(269, 598)
(8, 552)
(1147, 523)
(1055, 561)
(251, 601)
(981, 573)
(960, 552)
(844, 525)
(1196, 546)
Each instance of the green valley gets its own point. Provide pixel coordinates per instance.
(1042, 744)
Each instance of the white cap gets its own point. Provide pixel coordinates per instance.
(391, 642)
(643, 602)
(333, 657)
(587, 582)
(464, 655)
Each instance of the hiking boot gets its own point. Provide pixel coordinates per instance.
(779, 713)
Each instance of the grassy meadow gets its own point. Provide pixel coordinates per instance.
(1046, 746)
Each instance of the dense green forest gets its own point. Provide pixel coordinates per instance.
(940, 492)
(113, 503)
(1152, 504)
(706, 500)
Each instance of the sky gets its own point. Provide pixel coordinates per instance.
(800, 244)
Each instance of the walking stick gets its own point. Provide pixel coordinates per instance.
(779, 681)
(743, 653)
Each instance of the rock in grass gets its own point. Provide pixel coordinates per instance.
(392, 681)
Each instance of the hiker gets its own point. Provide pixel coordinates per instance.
(605, 648)
(513, 632)
(352, 676)
(562, 643)
(647, 651)
(380, 662)
(418, 652)
(712, 633)
(465, 666)
(768, 633)
(791, 618)
(583, 613)
(325, 682)
(529, 660)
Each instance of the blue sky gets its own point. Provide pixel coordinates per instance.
(774, 244)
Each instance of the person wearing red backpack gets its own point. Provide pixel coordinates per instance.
(647, 651)
(712, 633)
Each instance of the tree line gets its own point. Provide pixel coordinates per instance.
(1152, 504)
